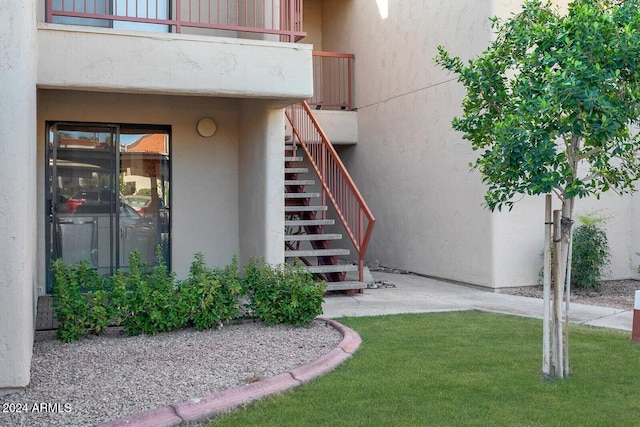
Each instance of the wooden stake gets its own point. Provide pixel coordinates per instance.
(546, 283)
(567, 211)
(558, 282)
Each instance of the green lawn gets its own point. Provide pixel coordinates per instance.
(462, 369)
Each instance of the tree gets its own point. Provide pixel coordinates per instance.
(552, 106)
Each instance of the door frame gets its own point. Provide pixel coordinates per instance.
(51, 187)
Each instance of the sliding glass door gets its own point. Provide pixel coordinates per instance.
(107, 195)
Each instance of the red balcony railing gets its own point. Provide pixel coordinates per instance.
(337, 185)
(332, 80)
(280, 17)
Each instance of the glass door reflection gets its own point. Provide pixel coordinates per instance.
(107, 195)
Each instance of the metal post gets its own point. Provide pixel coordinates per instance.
(635, 331)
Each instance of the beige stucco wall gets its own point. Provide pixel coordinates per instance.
(204, 180)
(634, 237)
(261, 182)
(341, 127)
(519, 237)
(74, 57)
(17, 201)
(412, 168)
(312, 14)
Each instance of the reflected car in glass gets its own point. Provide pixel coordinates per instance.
(93, 196)
(143, 205)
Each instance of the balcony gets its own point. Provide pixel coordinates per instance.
(214, 48)
(269, 19)
(332, 100)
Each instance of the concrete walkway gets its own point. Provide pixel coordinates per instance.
(415, 294)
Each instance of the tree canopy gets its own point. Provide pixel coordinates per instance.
(553, 103)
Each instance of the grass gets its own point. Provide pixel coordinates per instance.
(462, 369)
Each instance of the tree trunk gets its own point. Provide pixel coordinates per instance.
(555, 362)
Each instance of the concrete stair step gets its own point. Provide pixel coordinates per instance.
(340, 268)
(309, 237)
(300, 195)
(304, 208)
(299, 182)
(296, 170)
(316, 252)
(303, 222)
(345, 286)
(293, 159)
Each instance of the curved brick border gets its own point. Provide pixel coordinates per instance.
(201, 409)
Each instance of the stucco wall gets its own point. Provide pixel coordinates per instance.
(341, 127)
(634, 237)
(261, 182)
(518, 237)
(313, 23)
(17, 202)
(73, 57)
(412, 168)
(204, 181)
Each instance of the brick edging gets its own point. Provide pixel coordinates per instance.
(201, 409)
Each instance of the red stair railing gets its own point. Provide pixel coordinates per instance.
(337, 185)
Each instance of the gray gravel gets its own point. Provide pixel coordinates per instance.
(108, 377)
(611, 293)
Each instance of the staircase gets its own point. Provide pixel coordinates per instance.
(305, 223)
(308, 235)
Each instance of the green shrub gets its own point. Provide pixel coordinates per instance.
(209, 297)
(136, 294)
(81, 301)
(590, 253)
(149, 300)
(69, 303)
(119, 298)
(99, 310)
(164, 313)
(283, 293)
(152, 302)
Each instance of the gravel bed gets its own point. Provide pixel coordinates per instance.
(612, 293)
(104, 378)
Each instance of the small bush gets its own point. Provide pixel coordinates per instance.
(590, 254)
(69, 303)
(209, 297)
(119, 298)
(282, 294)
(99, 310)
(149, 300)
(80, 300)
